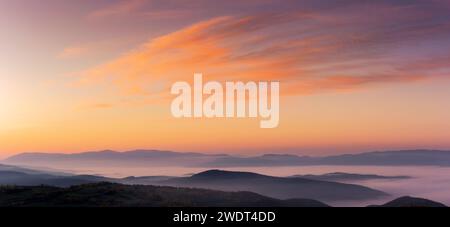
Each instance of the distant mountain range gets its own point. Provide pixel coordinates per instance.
(118, 195)
(112, 158)
(378, 158)
(169, 158)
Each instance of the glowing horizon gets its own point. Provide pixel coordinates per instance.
(354, 76)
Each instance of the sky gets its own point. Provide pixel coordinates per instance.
(355, 75)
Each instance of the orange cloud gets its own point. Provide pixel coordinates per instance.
(346, 83)
(299, 49)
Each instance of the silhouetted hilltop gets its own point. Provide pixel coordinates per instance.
(407, 201)
(118, 195)
(221, 174)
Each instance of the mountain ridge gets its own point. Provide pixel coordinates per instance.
(276, 187)
(418, 157)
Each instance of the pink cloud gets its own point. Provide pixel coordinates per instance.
(306, 51)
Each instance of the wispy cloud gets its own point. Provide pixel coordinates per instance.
(309, 51)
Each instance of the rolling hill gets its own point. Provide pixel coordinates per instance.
(277, 187)
(407, 201)
(118, 195)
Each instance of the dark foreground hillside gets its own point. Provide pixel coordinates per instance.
(118, 195)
